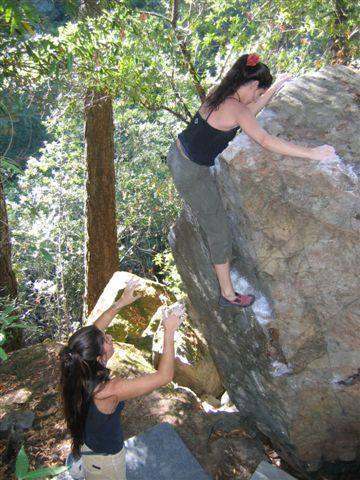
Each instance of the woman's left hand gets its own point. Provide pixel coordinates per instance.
(281, 80)
(128, 295)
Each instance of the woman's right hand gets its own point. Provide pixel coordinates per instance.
(322, 153)
(130, 294)
(172, 322)
(172, 316)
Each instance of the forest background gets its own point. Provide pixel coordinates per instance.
(93, 93)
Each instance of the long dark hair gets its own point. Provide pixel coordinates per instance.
(80, 374)
(239, 74)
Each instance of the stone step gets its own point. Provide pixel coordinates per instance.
(160, 454)
(267, 471)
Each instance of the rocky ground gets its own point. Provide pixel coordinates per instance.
(223, 443)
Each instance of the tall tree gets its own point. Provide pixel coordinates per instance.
(101, 252)
(8, 285)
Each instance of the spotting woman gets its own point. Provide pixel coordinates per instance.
(93, 399)
(242, 93)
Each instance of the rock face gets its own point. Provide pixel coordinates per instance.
(194, 367)
(133, 319)
(138, 324)
(292, 361)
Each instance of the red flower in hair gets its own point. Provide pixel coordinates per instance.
(252, 60)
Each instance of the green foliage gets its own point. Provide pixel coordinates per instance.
(18, 17)
(146, 198)
(22, 468)
(298, 35)
(172, 279)
(9, 321)
(153, 61)
(21, 130)
(23, 38)
(46, 208)
(3, 354)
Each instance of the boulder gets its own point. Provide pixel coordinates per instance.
(133, 319)
(19, 420)
(292, 360)
(194, 367)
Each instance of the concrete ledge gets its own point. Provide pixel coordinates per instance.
(160, 454)
(266, 471)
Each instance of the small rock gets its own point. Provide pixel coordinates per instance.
(17, 419)
(266, 471)
(18, 396)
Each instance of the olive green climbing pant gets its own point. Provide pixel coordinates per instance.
(197, 186)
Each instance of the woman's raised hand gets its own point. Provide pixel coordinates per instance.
(281, 80)
(322, 153)
(172, 317)
(128, 295)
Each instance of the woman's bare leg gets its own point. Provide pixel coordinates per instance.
(223, 274)
(227, 289)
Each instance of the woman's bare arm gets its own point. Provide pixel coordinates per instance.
(125, 389)
(256, 107)
(248, 123)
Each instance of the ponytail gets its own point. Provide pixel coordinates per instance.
(242, 72)
(80, 374)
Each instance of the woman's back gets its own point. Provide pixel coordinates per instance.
(203, 140)
(103, 431)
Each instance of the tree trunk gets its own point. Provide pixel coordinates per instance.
(8, 285)
(101, 253)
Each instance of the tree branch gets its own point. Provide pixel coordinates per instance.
(185, 52)
(162, 107)
(183, 47)
(174, 13)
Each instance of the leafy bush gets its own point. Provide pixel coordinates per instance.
(9, 321)
(172, 279)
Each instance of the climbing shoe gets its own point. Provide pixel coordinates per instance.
(241, 301)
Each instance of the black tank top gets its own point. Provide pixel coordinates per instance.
(103, 431)
(202, 143)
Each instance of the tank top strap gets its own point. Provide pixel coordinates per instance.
(206, 119)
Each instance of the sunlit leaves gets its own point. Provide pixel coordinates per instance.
(22, 468)
(18, 16)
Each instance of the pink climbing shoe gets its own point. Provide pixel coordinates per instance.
(241, 301)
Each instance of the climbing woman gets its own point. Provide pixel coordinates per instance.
(93, 399)
(242, 93)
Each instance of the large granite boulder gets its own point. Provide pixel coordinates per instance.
(133, 319)
(292, 361)
(194, 366)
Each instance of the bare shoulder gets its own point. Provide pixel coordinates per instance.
(104, 397)
(105, 390)
(232, 110)
(229, 105)
(232, 105)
